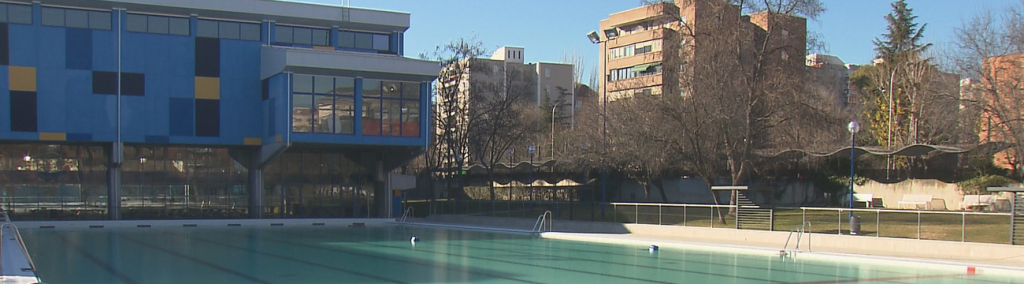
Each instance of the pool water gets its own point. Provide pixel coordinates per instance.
(386, 255)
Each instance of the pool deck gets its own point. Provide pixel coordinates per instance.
(977, 257)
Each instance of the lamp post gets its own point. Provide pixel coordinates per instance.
(596, 39)
(854, 127)
(553, 108)
(530, 150)
(511, 153)
(888, 145)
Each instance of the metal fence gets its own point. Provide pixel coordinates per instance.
(962, 226)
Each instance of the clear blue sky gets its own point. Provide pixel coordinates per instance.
(550, 28)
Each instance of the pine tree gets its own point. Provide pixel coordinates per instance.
(903, 40)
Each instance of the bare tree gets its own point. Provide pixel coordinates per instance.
(451, 117)
(989, 51)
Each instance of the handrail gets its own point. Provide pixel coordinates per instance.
(405, 215)
(539, 225)
(17, 236)
(803, 229)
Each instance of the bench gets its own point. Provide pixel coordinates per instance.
(977, 202)
(915, 200)
(866, 198)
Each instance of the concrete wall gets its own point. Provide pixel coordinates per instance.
(944, 195)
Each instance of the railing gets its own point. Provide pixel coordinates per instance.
(803, 229)
(963, 226)
(673, 214)
(405, 215)
(17, 236)
(539, 225)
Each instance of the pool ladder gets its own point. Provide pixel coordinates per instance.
(7, 224)
(800, 231)
(405, 216)
(539, 225)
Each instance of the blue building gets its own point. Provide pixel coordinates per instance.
(154, 109)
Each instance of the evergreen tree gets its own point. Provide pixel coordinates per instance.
(903, 40)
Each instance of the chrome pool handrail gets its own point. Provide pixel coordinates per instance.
(405, 215)
(539, 225)
(21, 243)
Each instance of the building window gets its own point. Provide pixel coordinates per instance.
(16, 14)
(323, 104)
(632, 72)
(229, 30)
(391, 108)
(73, 18)
(157, 24)
(547, 72)
(366, 41)
(301, 36)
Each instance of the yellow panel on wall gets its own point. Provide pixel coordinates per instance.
(208, 88)
(22, 78)
(53, 136)
(254, 141)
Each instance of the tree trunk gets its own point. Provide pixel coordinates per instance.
(660, 184)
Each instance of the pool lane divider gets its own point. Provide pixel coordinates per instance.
(197, 260)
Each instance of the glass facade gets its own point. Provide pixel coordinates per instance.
(323, 104)
(53, 182)
(304, 184)
(391, 108)
(159, 182)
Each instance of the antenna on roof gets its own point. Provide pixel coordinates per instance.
(345, 11)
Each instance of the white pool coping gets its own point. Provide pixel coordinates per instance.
(966, 267)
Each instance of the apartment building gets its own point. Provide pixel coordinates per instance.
(829, 76)
(155, 109)
(1001, 87)
(505, 71)
(652, 50)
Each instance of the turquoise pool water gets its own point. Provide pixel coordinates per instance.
(385, 255)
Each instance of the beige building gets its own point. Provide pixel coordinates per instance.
(829, 76)
(648, 50)
(543, 84)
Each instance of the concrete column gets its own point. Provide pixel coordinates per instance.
(114, 182)
(255, 192)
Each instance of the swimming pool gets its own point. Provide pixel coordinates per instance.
(309, 254)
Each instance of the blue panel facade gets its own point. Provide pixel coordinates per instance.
(161, 101)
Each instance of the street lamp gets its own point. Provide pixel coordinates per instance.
(854, 127)
(888, 145)
(530, 150)
(596, 39)
(553, 108)
(458, 158)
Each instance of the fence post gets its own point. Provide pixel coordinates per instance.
(839, 223)
(685, 208)
(737, 217)
(659, 213)
(771, 219)
(878, 223)
(615, 217)
(963, 226)
(919, 225)
(804, 212)
(636, 213)
(713, 217)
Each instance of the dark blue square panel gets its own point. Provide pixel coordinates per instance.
(207, 118)
(24, 112)
(104, 83)
(182, 117)
(78, 52)
(5, 45)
